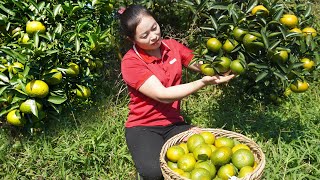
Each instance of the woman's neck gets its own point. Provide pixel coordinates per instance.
(154, 52)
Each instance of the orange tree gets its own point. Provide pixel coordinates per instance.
(52, 54)
(275, 46)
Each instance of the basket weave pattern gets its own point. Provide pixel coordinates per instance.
(259, 156)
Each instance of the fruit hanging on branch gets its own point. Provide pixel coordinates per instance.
(270, 45)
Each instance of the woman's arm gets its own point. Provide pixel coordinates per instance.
(154, 89)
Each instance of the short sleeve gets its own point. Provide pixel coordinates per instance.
(134, 72)
(186, 54)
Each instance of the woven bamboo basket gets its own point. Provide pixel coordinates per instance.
(259, 156)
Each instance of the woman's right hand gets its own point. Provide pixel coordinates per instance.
(218, 79)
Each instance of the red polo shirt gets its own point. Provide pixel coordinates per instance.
(137, 66)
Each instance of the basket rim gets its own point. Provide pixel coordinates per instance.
(218, 132)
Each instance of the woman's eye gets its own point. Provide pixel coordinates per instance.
(154, 28)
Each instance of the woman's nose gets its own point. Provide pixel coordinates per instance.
(154, 37)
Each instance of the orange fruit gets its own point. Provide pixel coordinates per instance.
(296, 30)
(72, 70)
(185, 147)
(15, 118)
(174, 153)
(238, 33)
(37, 88)
(34, 26)
(261, 9)
(186, 162)
(202, 152)
(309, 30)
(249, 42)
(223, 65)
(214, 45)
(194, 141)
(308, 64)
(299, 86)
(207, 70)
(237, 67)
(26, 106)
(54, 77)
(224, 141)
(280, 56)
(178, 171)
(208, 137)
(83, 92)
(221, 156)
(226, 171)
(229, 45)
(208, 166)
(239, 146)
(289, 20)
(242, 157)
(186, 175)
(25, 38)
(200, 174)
(213, 148)
(172, 165)
(245, 171)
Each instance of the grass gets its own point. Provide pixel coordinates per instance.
(93, 146)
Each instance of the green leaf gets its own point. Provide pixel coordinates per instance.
(252, 5)
(308, 10)
(18, 4)
(280, 75)
(41, 5)
(214, 23)
(5, 111)
(36, 40)
(219, 7)
(33, 107)
(74, 9)
(264, 37)
(18, 97)
(4, 78)
(2, 89)
(56, 10)
(77, 44)
(274, 45)
(261, 76)
(8, 11)
(57, 99)
(278, 14)
(58, 29)
(14, 54)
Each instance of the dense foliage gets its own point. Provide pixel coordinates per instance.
(65, 45)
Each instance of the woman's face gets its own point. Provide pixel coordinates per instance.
(148, 34)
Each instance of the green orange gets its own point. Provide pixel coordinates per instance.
(15, 118)
(289, 20)
(214, 45)
(37, 88)
(242, 157)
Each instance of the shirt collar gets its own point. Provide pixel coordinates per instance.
(148, 58)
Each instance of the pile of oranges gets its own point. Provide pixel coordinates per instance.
(205, 157)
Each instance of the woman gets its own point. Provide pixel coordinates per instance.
(152, 70)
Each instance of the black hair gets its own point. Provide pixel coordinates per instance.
(130, 19)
